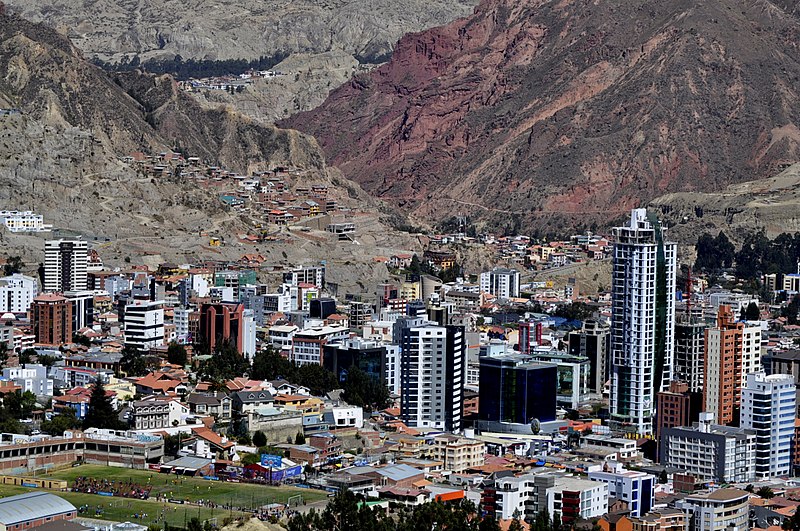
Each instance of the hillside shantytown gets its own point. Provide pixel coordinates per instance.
(666, 399)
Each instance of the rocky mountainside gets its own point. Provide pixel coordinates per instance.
(65, 126)
(238, 29)
(541, 112)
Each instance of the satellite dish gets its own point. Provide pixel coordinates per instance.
(536, 426)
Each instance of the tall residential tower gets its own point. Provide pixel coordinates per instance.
(642, 321)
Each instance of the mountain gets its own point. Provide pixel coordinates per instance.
(66, 125)
(238, 29)
(542, 113)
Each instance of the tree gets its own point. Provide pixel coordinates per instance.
(226, 363)
(259, 439)
(268, 364)
(663, 478)
(299, 438)
(14, 264)
(44, 359)
(132, 362)
(750, 488)
(765, 492)
(176, 354)
(752, 312)
(81, 340)
(318, 379)
(26, 356)
(3, 354)
(100, 412)
(66, 420)
(20, 405)
(363, 390)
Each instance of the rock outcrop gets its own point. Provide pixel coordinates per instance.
(537, 113)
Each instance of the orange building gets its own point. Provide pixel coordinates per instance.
(732, 350)
(51, 315)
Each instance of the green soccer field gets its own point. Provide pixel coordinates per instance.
(123, 509)
(192, 489)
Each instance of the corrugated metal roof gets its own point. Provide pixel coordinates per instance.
(32, 506)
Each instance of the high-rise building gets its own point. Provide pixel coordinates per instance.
(65, 265)
(16, 293)
(432, 374)
(249, 332)
(643, 320)
(144, 324)
(51, 315)
(592, 342)
(769, 407)
(516, 390)
(690, 351)
(501, 282)
(732, 351)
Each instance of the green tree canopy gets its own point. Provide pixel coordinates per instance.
(66, 420)
(100, 411)
(176, 354)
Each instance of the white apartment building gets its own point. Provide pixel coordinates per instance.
(432, 375)
(642, 322)
(501, 282)
(280, 336)
(30, 377)
(392, 368)
(27, 221)
(711, 452)
(180, 319)
(575, 498)
(65, 265)
(307, 344)
(769, 405)
(144, 324)
(16, 293)
(248, 334)
(635, 488)
(720, 510)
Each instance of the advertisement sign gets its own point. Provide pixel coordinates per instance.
(271, 461)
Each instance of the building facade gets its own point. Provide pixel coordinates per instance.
(65, 265)
(501, 282)
(16, 293)
(642, 321)
(144, 324)
(769, 408)
(51, 316)
(432, 375)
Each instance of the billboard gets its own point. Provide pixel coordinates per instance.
(271, 461)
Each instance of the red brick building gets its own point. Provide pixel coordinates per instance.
(51, 315)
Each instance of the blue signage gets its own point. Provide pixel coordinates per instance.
(271, 461)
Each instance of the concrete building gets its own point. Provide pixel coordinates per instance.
(249, 329)
(30, 377)
(432, 374)
(575, 498)
(51, 316)
(16, 293)
(65, 265)
(308, 345)
(592, 342)
(458, 454)
(677, 406)
(690, 351)
(501, 282)
(642, 322)
(27, 221)
(769, 408)
(723, 509)
(732, 351)
(144, 324)
(635, 488)
(367, 355)
(710, 452)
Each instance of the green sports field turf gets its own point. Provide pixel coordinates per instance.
(193, 489)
